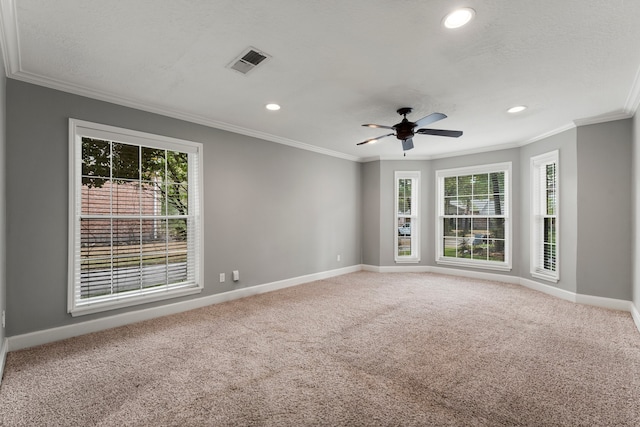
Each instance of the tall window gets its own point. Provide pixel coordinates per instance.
(407, 242)
(544, 216)
(134, 218)
(474, 225)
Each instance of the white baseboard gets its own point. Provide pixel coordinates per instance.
(4, 349)
(548, 289)
(19, 342)
(604, 302)
(636, 316)
(441, 270)
(409, 268)
(483, 275)
(611, 303)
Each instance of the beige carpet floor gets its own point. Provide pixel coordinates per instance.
(363, 349)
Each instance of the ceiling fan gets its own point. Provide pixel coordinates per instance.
(405, 130)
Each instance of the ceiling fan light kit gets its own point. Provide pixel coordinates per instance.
(405, 130)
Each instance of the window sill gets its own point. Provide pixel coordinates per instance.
(476, 264)
(407, 261)
(128, 301)
(547, 277)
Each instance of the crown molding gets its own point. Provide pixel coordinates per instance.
(479, 150)
(176, 114)
(548, 134)
(608, 117)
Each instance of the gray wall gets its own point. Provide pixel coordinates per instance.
(636, 211)
(566, 144)
(371, 205)
(270, 211)
(604, 244)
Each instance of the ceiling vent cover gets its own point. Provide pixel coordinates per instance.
(248, 60)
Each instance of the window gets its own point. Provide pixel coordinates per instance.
(407, 242)
(134, 231)
(473, 219)
(544, 216)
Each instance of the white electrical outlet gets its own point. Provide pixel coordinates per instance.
(3, 318)
(338, 258)
(222, 277)
(236, 275)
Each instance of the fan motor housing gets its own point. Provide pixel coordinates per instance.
(404, 129)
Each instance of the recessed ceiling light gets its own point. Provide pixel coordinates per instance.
(459, 17)
(517, 109)
(272, 107)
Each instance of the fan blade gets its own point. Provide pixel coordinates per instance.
(372, 125)
(407, 144)
(433, 117)
(368, 141)
(440, 132)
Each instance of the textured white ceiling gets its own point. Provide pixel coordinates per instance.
(337, 64)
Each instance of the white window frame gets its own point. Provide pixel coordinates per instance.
(194, 284)
(413, 215)
(505, 265)
(539, 213)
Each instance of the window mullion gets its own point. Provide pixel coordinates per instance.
(140, 238)
(111, 263)
(165, 202)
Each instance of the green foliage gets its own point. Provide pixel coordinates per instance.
(163, 171)
(96, 155)
(404, 196)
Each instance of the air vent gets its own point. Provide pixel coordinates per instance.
(248, 60)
